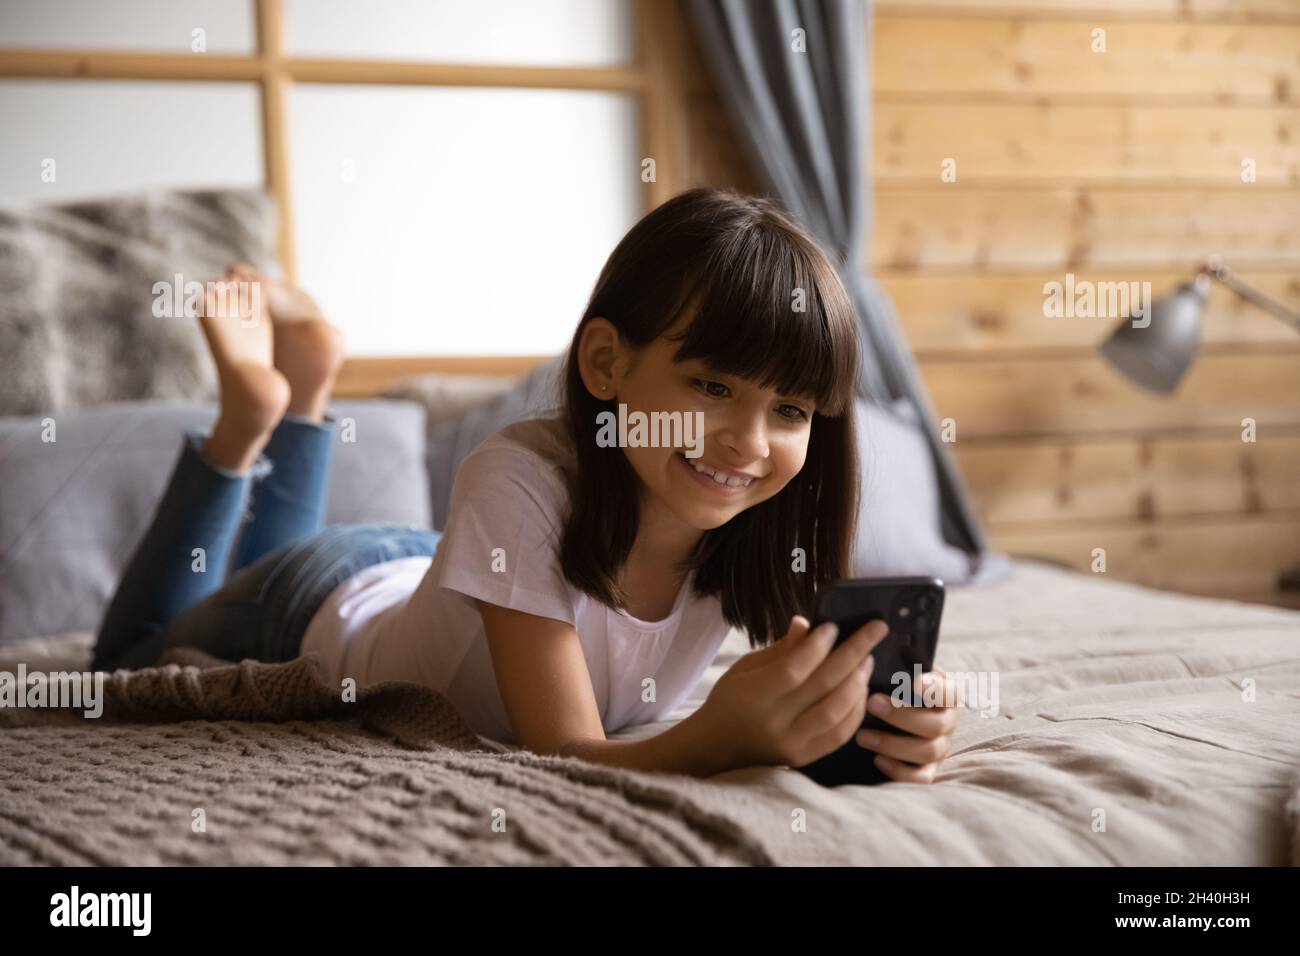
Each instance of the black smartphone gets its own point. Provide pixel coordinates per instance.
(912, 608)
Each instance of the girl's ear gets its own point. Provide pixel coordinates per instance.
(600, 351)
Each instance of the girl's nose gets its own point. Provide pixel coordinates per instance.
(745, 437)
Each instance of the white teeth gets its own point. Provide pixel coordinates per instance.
(735, 481)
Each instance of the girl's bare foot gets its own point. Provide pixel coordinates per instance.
(254, 394)
(308, 349)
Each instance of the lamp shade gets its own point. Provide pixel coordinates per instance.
(1156, 355)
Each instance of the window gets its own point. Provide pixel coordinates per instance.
(454, 221)
(463, 209)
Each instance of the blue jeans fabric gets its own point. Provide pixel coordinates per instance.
(266, 528)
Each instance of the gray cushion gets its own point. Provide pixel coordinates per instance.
(448, 397)
(73, 510)
(77, 322)
(899, 531)
(452, 437)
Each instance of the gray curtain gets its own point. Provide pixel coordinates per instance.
(804, 119)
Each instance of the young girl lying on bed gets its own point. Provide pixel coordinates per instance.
(577, 588)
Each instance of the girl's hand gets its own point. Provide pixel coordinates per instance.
(793, 701)
(913, 759)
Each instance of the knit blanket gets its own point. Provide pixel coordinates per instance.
(1134, 728)
(201, 761)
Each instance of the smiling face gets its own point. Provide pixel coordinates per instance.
(767, 336)
(754, 439)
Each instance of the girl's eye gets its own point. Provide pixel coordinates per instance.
(791, 413)
(712, 389)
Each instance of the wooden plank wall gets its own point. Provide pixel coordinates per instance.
(1116, 165)
(1123, 165)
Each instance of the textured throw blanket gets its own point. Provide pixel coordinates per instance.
(280, 770)
(82, 317)
(1169, 719)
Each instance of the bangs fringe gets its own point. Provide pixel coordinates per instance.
(767, 314)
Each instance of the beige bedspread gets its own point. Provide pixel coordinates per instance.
(1134, 727)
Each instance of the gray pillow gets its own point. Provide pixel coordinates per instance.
(448, 397)
(899, 530)
(451, 439)
(77, 323)
(73, 510)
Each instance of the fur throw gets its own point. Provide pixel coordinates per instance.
(78, 323)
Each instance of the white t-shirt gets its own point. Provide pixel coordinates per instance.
(413, 619)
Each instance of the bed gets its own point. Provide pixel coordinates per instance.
(1124, 736)
(1133, 727)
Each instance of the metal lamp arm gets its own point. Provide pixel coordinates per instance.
(1215, 269)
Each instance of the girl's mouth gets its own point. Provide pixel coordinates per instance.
(708, 478)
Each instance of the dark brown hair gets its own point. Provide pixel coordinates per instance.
(738, 260)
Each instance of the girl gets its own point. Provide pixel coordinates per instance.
(577, 589)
